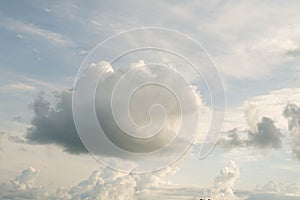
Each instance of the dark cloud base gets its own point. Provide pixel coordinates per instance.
(292, 113)
(55, 125)
(267, 136)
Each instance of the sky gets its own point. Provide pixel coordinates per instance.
(221, 109)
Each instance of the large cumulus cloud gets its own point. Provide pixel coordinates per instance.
(54, 123)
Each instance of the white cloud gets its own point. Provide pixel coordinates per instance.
(47, 10)
(53, 124)
(224, 183)
(271, 104)
(292, 189)
(277, 191)
(243, 122)
(253, 46)
(23, 187)
(17, 86)
(251, 114)
(106, 184)
(32, 30)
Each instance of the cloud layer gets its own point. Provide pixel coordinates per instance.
(106, 184)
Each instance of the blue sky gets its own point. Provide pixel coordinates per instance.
(255, 46)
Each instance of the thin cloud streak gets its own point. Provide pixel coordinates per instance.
(33, 30)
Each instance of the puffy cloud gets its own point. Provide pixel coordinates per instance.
(251, 114)
(54, 124)
(232, 139)
(223, 188)
(245, 118)
(23, 187)
(292, 113)
(100, 187)
(107, 184)
(101, 184)
(224, 183)
(27, 178)
(261, 133)
(266, 136)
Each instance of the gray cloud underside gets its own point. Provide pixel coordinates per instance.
(55, 125)
(267, 136)
(292, 113)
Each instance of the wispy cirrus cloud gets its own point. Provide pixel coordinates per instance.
(30, 29)
(17, 86)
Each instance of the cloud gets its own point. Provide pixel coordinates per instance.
(27, 178)
(280, 188)
(17, 86)
(232, 139)
(54, 124)
(251, 114)
(33, 30)
(266, 136)
(276, 191)
(222, 188)
(267, 104)
(267, 196)
(106, 184)
(292, 113)
(224, 183)
(2, 133)
(23, 187)
(247, 49)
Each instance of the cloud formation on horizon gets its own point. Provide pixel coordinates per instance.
(106, 184)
